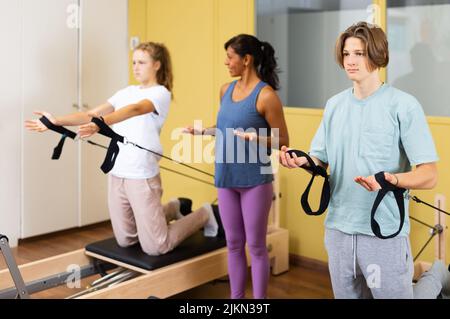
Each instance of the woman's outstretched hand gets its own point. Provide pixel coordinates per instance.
(251, 136)
(193, 131)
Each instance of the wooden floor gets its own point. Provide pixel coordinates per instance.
(297, 283)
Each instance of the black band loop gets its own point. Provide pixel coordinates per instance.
(59, 147)
(113, 148)
(326, 192)
(106, 130)
(398, 193)
(61, 130)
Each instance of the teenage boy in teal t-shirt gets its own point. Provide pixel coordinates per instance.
(366, 129)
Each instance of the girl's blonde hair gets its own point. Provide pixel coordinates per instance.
(159, 52)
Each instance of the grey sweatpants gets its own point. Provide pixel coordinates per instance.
(368, 267)
(364, 266)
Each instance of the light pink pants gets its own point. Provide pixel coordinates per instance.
(138, 215)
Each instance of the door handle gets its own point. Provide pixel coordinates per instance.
(75, 106)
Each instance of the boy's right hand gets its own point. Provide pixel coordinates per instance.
(36, 125)
(291, 161)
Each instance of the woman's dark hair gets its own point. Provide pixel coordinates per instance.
(263, 56)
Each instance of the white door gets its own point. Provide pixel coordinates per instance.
(11, 121)
(104, 71)
(49, 55)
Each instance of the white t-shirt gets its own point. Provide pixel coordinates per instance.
(143, 130)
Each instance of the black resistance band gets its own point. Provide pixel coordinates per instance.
(113, 148)
(315, 170)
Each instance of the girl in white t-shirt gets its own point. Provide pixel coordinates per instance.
(134, 193)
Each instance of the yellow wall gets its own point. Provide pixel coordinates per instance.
(137, 22)
(194, 32)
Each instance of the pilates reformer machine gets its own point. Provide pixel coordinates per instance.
(133, 274)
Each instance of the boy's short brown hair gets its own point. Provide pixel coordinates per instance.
(374, 39)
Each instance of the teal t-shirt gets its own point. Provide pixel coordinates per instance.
(386, 131)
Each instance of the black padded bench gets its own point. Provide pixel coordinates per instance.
(193, 246)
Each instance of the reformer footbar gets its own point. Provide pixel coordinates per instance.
(20, 291)
(315, 170)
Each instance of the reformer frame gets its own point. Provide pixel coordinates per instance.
(438, 232)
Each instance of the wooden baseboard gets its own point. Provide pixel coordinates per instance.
(306, 262)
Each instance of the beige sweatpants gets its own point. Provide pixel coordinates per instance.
(138, 215)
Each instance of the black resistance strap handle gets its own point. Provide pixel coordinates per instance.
(387, 187)
(113, 148)
(315, 170)
(61, 130)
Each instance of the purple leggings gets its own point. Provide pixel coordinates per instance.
(244, 213)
